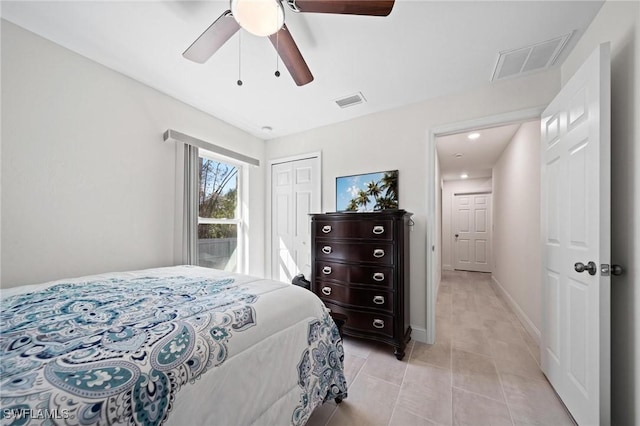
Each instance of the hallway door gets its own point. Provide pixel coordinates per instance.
(575, 184)
(472, 232)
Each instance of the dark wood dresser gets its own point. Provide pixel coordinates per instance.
(361, 270)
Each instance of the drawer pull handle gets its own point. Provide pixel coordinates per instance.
(378, 253)
(378, 300)
(326, 291)
(326, 229)
(326, 249)
(326, 270)
(378, 323)
(378, 276)
(379, 229)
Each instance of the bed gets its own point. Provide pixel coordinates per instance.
(177, 346)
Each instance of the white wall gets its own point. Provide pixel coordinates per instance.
(449, 189)
(88, 183)
(398, 139)
(619, 23)
(516, 225)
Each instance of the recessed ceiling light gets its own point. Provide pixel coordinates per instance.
(473, 136)
(464, 176)
(457, 155)
(267, 129)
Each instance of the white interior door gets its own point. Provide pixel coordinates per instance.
(472, 232)
(576, 228)
(295, 194)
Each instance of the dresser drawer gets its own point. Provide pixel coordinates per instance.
(370, 230)
(355, 274)
(370, 323)
(380, 253)
(355, 297)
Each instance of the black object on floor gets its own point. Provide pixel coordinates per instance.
(301, 281)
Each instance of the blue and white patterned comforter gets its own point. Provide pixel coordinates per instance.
(118, 348)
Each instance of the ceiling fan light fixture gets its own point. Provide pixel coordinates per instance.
(259, 17)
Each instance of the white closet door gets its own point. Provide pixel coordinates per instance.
(295, 194)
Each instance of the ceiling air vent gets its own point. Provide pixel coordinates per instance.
(350, 100)
(525, 60)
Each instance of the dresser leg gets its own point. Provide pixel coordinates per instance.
(338, 400)
(399, 353)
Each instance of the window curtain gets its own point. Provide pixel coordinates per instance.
(190, 205)
(185, 230)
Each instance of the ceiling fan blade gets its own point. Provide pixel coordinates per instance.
(212, 38)
(291, 56)
(345, 7)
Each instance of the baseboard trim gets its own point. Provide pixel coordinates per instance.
(522, 316)
(419, 334)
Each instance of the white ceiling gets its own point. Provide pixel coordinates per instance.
(478, 156)
(422, 50)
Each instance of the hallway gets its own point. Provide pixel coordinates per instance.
(483, 370)
(494, 361)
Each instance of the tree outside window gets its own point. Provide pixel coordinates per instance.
(218, 218)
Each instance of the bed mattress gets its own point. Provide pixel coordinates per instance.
(178, 346)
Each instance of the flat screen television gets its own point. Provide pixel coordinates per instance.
(367, 192)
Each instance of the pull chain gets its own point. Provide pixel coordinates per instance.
(239, 58)
(277, 54)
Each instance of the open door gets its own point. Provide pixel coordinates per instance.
(576, 241)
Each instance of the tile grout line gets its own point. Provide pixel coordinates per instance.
(395, 404)
(354, 379)
(480, 395)
(378, 378)
(451, 358)
(504, 393)
(452, 344)
(331, 416)
(493, 359)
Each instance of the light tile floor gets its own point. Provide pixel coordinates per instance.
(482, 370)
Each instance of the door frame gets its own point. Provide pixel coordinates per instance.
(511, 117)
(268, 243)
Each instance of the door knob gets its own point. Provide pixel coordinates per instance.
(589, 267)
(616, 270)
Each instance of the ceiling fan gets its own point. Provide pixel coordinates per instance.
(266, 18)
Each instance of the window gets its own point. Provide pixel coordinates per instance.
(211, 220)
(219, 218)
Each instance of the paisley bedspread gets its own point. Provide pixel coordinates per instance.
(182, 345)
